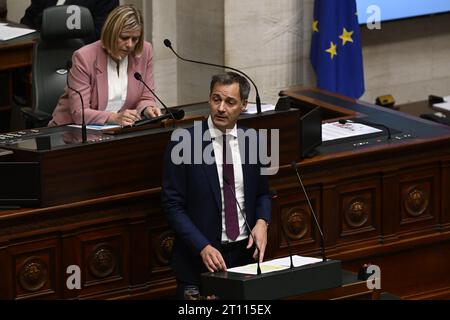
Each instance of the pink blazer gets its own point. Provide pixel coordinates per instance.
(89, 76)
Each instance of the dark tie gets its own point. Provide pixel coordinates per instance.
(231, 217)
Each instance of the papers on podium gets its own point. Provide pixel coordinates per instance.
(4, 152)
(8, 33)
(251, 108)
(443, 106)
(275, 265)
(277, 280)
(336, 130)
(97, 127)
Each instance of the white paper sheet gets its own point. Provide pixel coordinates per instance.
(336, 130)
(251, 108)
(275, 265)
(97, 127)
(7, 32)
(444, 106)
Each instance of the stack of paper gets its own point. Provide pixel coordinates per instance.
(275, 265)
(336, 130)
(444, 106)
(8, 33)
(251, 108)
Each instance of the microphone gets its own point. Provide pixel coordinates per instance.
(274, 195)
(138, 77)
(343, 121)
(168, 44)
(322, 246)
(227, 182)
(83, 123)
(176, 114)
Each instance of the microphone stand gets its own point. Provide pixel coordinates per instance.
(322, 245)
(274, 196)
(168, 44)
(227, 182)
(138, 77)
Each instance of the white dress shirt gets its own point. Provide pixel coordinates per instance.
(60, 2)
(217, 141)
(117, 84)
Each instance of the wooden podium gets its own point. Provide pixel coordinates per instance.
(273, 285)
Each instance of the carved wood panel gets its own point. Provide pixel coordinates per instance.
(36, 269)
(359, 210)
(294, 221)
(105, 258)
(161, 245)
(415, 198)
(419, 200)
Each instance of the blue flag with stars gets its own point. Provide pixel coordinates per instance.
(336, 54)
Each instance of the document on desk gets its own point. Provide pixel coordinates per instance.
(8, 33)
(275, 265)
(97, 127)
(336, 130)
(444, 106)
(251, 108)
(4, 152)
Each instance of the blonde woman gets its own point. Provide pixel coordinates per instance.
(103, 72)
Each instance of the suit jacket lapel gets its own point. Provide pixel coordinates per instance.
(211, 171)
(102, 78)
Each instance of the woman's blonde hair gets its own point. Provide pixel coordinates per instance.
(125, 17)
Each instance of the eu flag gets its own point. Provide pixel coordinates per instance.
(336, 54)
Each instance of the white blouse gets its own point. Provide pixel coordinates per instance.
(117, 84)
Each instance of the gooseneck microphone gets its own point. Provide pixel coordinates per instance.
(177, 114)
(83, 122)
(343, 121)
(274, 195)
(227, 182)
(322, 245)
(138, 77)
(168, 44)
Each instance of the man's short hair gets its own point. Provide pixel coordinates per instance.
(230, 78)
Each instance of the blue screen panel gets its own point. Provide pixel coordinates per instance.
(399, 9)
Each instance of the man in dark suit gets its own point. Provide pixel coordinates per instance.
(199, 193)
(98, 8)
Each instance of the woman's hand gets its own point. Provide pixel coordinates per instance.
(125, 118)
(152, 111)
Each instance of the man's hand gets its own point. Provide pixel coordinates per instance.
(213, 259)
(125, 118)
(152, 111)
(260, 234)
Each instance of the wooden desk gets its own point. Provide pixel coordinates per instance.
(415, 108)
(384, 202)
(15, 53)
